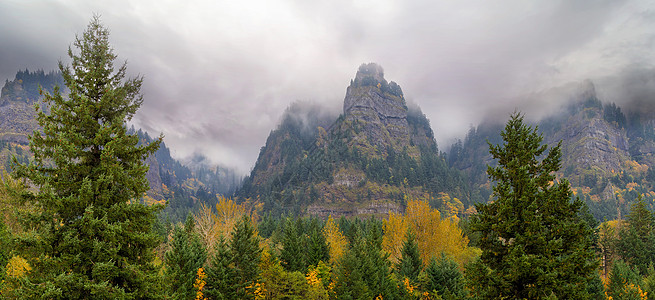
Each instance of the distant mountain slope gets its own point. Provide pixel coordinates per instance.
(365, 162)
(170, 181)
(607, 156)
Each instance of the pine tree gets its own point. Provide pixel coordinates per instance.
(246, 255)
(95, 239)
(317, 247)
(220, 274)
(364, 270)
(533, 242)
(292, 255)
(410, 263)
(186, 256)
(444, 277)
(624, 283)
(635, 243)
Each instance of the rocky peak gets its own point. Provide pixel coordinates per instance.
(369, 72)
(377, 109)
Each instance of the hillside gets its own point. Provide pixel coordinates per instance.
(606, 155)
(366, 162)
(172, 182)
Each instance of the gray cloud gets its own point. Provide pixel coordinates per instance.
(220, 74)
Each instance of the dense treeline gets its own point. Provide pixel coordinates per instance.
(72, 225)
(26, 84)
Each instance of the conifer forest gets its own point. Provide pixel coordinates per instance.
(360, 205)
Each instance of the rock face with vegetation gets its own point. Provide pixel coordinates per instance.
(379, 111)
(606, 155)
(182, 186)
(366, 162)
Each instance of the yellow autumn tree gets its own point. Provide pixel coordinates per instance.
(336, 241)
(17, 267)
(212, 224)
(395, 229)
(434, 235)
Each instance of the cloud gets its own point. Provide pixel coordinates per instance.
(220, 74)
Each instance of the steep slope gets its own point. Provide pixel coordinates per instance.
(375, 154)
(606, 156)
(170, 181)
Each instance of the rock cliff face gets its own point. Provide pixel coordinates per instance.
(378, 110)
(608, 158)
(367, 161)
(591, 144)
(18, 122)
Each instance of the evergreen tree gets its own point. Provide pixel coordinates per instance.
(95, 238)
(636, 241)
(220, 273)
(533, 242)
(444, 277)
(5, 251)
(317, 247)
(410, 263)
(246, 255)
(292, 255)
(624, 283)
(364, 270)
(183, 260)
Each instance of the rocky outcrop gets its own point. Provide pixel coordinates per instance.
(590, 143)
(371, 209)
(378, 111)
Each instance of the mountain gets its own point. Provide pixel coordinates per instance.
(607, 156)
(363, 162)
(182, 187)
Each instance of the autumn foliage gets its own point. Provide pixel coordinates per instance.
(434, 235)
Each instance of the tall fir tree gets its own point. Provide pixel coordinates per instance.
(364, 272)
(186, 256)
(246, 255)
(410, 263)
(636, 240)
(93, 238)
(220, 275)
(292, 255)
(533, 242)
(443, 277)
(317, 247)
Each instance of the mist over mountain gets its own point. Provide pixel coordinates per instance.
(183, 186)
(367, 161)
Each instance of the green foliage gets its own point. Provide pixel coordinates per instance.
(6, 246)
(246, 255)
(533, 241)
(613, 114)
(186, 256)
(443, 276)
(25, 86)
(364, 270)
(317, 249)
(636, 243)
(624, 283)
(220, 274)
(292, 255)
(410, 263)
(93, 237)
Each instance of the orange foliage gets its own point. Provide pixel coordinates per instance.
(200, 284)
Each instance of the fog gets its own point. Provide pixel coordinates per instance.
(219, 75)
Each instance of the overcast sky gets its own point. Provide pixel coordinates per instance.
(219, 74)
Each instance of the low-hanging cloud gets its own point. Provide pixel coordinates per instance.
(220, 74)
